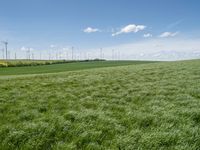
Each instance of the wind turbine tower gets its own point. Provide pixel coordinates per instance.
(6, 48)
(72, 52)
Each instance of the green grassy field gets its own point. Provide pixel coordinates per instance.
(147, 106)
(55, 68)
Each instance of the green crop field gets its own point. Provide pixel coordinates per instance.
(148, 106)
(55, 68)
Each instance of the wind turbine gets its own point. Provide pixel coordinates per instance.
(15, 55)
(28, 52)
(113, 51)
(40, 56)
(101, 53)
(6, 47)
(72, 52)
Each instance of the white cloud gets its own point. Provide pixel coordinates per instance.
(154, 49)
(31, 49)
(147, 35)
(130, 28)
(91, 30)
(23, 48)
(174, 24)
(168, 34)
(52, 46)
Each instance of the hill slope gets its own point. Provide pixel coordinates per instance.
(148, 106)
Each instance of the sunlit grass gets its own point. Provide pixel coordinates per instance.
(147, 106)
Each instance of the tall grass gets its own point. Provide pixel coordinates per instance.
(147, 106)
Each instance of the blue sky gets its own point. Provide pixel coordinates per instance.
(88, 25)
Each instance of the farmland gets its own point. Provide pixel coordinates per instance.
(62, 66)
(127, 106)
